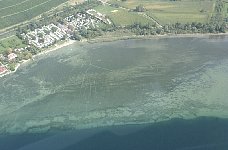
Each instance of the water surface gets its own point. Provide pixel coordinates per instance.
(122, 82)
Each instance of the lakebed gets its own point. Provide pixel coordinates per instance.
(122, 82)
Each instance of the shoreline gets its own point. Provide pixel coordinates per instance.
(48, 50)
(128, 37)
(105, 38)
(54, 47)
(130, 111)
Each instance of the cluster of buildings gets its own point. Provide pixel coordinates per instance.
(10, 58)
(48, 35)
(81, 20)
(45, 36)
(22, 49)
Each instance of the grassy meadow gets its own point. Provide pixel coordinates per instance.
(226, 9)
(121, 16)
(11, 42)
(165, 11)
(17, 11)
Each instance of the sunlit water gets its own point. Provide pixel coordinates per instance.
(123, 82)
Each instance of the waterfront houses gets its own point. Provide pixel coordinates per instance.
(12, 56)
(48, 35)
(45, 36)
(3, 70)
(22, 49)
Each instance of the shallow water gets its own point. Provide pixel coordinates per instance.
(123, 82)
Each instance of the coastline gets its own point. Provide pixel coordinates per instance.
(55, 47)
(128, 37)
(41, 80)
(51, 49)
(10, 72)
(106, 38)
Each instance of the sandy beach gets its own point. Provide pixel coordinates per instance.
(55, 47)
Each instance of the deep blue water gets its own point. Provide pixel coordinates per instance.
(177, 134)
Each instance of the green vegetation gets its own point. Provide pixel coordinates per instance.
(220, 12)
(19, 46)
(17, 11)
(168, 12)
(171, 17)
(11, 43)
(226, 12)
(129, 18)
(12, 66)
(58, 17)
(122, 17)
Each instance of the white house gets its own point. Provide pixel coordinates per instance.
(12, 56)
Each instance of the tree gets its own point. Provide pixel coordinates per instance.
(24, 31)
(28, 56)
(222, 28)
(33, 37)
(32, 26)
(76, 36)
(18, 34)
(140, 8)
(71, 27)
(83, 32)
(9, 50)
(54, 29)
(40, 35)
(25, 41)
(47, 32)
(41, 40)
(12, 66)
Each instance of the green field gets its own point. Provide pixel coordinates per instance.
(11, 42)
(166, 11)
(121, 16)
(226, 9)
(17, 11)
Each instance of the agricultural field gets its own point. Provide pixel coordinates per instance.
(167, 11)
(17, 11)
(123, 17)
(226, 10)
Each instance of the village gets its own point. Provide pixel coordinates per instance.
(50, 34)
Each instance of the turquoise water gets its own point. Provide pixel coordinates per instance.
(122, 82)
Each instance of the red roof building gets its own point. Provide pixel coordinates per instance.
(2, 70)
